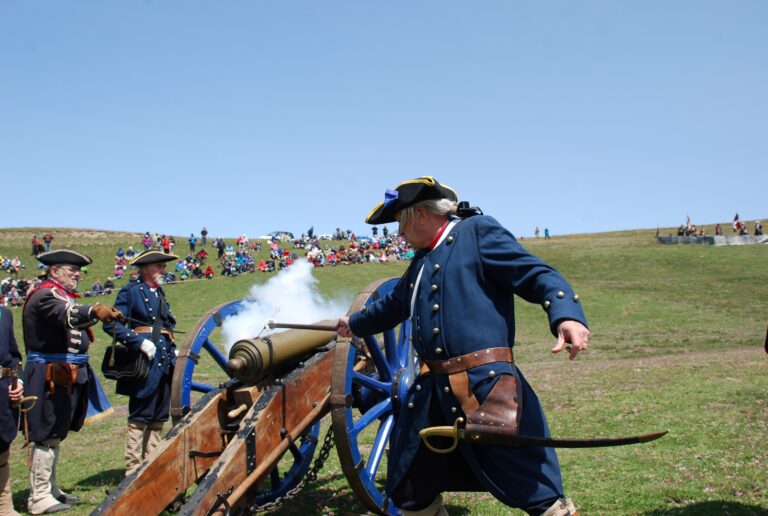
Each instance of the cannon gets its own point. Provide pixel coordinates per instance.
(246, 442)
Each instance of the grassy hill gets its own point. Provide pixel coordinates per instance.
(677, 335)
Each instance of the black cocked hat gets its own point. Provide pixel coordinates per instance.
(149, 257)
(407, 194)
(64, 256)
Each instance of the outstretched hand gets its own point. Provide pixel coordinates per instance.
(573, 336)
(342, 327)
(107, 314)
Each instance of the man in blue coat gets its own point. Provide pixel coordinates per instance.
(458, 293)
(10, 396)
(149, 328)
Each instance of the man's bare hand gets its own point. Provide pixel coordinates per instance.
(342, 327)
(573, 336)
(17, 393)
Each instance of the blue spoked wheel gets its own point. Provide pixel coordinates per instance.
(370, 377)
(202, 367)
(202, 364)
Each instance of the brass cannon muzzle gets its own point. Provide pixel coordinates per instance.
(254, 358)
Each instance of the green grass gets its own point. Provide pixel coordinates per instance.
(676, 344)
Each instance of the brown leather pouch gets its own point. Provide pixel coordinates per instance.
(499, 415)
(61, 374)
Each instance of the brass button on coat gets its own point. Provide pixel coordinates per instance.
(547, 304)
(438, 350)
(435, 307)
(560, 295)
(450, 239)
(437, 266)
(435, 330)
(434, 288)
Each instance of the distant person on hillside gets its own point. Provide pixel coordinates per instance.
(147, 241)
(464, 277)
(536, 232)
(130, 253)
(149, 398)
(204, 236)
(37, 245)
(758, 228)
(718, 230)
(546, 234)
(47, 239)
(192, 242)
(385, 232)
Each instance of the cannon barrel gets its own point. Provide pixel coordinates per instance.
(254, 358)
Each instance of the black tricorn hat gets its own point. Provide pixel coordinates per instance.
(63, 256)
(148, 257)
(407, 194)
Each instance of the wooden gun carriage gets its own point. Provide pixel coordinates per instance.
(248, 443)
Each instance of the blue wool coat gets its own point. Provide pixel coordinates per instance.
(9, 357)
(138, 302)
(464, 303)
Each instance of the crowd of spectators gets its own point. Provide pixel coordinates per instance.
(231, 259)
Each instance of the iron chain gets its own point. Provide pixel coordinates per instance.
(311, 476)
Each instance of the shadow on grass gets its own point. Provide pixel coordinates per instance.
(108, 478)
(719, 508)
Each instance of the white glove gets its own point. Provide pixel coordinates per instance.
(148, 348)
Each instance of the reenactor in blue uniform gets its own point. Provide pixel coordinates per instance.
(458, 294)
(149, 328)
(10, 396)
(57, 336)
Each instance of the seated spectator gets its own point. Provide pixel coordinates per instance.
(209, 271)
(130, 253)
(97, 288)
(109, 285)
(119, 271)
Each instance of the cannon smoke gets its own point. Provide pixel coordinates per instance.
(293, 294)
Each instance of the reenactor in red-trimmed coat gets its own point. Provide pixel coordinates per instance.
(57, 336)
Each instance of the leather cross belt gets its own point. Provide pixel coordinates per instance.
(148, 329)
(470, 360)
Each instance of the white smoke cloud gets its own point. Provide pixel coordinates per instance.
(292, 293)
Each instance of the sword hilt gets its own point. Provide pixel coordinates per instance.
(453, 432)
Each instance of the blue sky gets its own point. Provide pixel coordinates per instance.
(252, 116)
